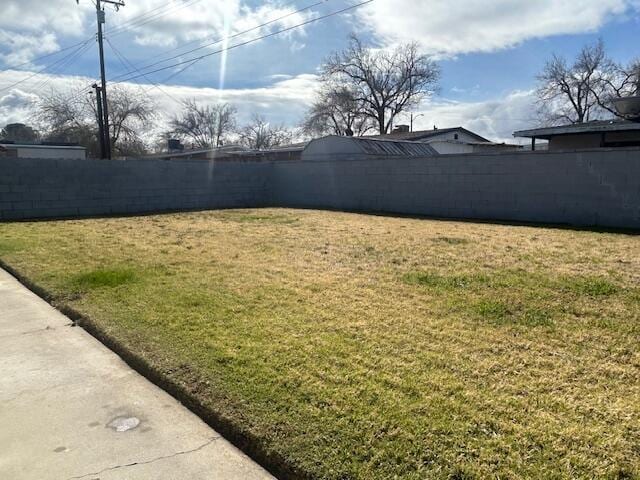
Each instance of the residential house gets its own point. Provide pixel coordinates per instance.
(454, 140)
(589, 135)
(42, 150)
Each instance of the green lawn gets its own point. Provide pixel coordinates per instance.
(368, 347)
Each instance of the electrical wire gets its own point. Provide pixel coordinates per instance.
(47, 67)
(143, 14)
(247, 42)
(125, 62)
(50, 54)
(131, 25)
(227, 38)
(63, 66)
(192, 61)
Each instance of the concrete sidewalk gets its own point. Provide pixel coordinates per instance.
(72, 409)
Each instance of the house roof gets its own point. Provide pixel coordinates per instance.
(378, 146)
(481, 144)
(580, 128)
(48, 146)
(357, 147)
(426, 134)
(231, 150)
(292, 147)
(197, 151)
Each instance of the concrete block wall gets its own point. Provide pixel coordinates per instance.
(585, 188)
(43, 188)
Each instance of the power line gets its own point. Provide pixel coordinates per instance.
(139, 69)
(125, 62)
(228, 38)
(135, 18)
(222, 39)
(192, 61)
(50, 54)
(247, 42)
(121, 29)
(47, 67)
(63, 66)
(124, 26)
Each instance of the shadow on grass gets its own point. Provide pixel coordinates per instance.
(490, 221)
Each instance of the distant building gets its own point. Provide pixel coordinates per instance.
(589, 135)
(454, 140)
(196, 153)
(18, 132)
(42, 150)
(230, 152)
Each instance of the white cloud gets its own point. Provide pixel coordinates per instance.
(286, 100)
(22, 48)
(16, 106)
(58, 16)
(494, 119)
(446, 27)
(189, 20)
(32, 27)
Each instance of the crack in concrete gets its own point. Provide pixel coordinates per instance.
(35, 330)
(146, 462)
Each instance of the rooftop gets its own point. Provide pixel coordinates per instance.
(364, 146)
(425, 134)
(599, 126)
(394, 146)
(48, 145)
(228, 150)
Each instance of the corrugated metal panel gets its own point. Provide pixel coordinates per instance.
(389, 147)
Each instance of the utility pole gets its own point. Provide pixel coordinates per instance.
(412, 118)
(105, 108)
(100, 120)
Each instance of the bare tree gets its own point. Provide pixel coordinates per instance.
(336, 111)
(18, 132)
(68, 117)
(204, 126)
(260, 134)
(130, 114)
(569, 93)
(385, 83)
(615, 81)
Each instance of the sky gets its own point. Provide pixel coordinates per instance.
(490, 51)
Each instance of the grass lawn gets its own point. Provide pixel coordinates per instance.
(368, 347)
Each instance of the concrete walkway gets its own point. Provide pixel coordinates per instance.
(71, 409)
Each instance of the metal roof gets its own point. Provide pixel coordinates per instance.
(546, 133)
(196, 151)
(8, 145)
(378, 146)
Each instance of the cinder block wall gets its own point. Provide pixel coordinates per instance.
(41, 188)
(587, 188)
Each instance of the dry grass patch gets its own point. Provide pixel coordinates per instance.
(368, 347)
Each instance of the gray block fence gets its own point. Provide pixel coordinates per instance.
(583, 188)
(44, 188)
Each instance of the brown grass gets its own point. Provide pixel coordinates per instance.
(358, 346)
